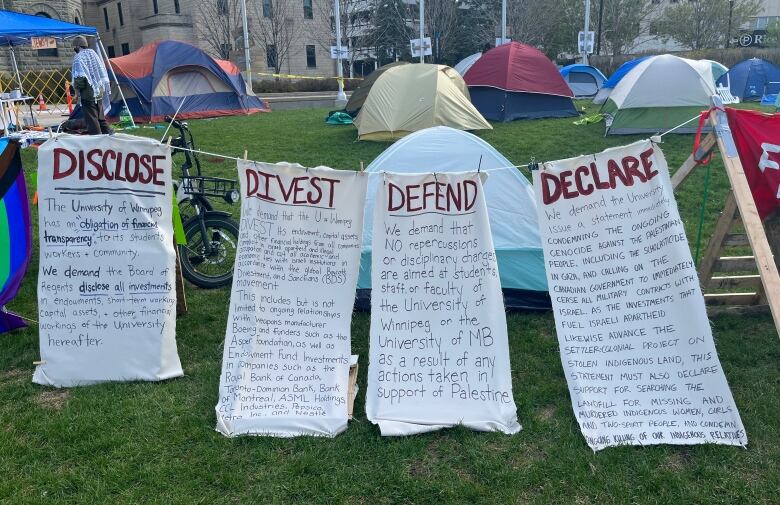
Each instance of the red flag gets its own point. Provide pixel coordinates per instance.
(757, 136)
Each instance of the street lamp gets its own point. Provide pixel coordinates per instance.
(728, 32)
(341, 98)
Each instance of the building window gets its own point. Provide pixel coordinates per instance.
(155, 7)
(121, 16)
(311, 57)
(125, 48)
(105, 18)
(222, 7)
(308, 12)
(270, 56)
(111, 52)
(267, 8)
(176, 6)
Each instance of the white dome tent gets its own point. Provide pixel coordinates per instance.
(465, 64)
(510, 201)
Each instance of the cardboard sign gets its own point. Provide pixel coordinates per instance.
(286, 362)
(636, 345)
(43, 43)
(106, 281)
(439, 355)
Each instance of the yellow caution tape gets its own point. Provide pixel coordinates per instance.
(292, 76)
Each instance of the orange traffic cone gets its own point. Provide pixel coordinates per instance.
(41, 103)
(69, 98)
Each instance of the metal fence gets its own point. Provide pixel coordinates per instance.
(50, 89)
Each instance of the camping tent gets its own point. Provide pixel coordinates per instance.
(510, 201)
(165, 76)
(515, 81)
(656, 95)
(465, 64)
(751, 79)
(358, 97)
(615, 78)
(584, 80)
(408, 98)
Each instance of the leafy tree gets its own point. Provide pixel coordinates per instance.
(772, 37)
(702, 24)
(623, 23)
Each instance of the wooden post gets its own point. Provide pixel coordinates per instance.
(767, 269)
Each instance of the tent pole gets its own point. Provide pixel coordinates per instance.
(16, 68)
(105, 55)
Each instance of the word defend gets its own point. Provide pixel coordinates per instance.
(287, 354)
(439, 354)
(106, 281)
(635, 342)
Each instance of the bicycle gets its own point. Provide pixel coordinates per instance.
(208, 257)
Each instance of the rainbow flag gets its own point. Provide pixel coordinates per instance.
(15, 231)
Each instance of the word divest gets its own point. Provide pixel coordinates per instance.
(439, 355)
(106, 280)
(287, 354)
(635, 342)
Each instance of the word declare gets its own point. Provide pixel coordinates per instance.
(588, 178)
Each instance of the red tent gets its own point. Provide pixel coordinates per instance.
(515, 81)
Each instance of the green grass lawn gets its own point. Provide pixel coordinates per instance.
(155, 442)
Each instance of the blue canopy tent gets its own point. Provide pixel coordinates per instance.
(615, 78)
(752, 79)
(584, 80)
(18, 29)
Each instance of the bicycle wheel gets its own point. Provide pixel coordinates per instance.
(215, 269)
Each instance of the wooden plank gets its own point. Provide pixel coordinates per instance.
(722, 228)
(750, 219)
(682, 173)
(735, 282)
(740, 310)
(730, 299)
(736, 240)
(735, 264)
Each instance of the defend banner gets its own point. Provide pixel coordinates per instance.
(106, 280)
(636, 345)
(286, 359)
(757, 136)
(439, 355)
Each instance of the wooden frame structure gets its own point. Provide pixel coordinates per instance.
(734, 283)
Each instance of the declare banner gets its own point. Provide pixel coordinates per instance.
(285, 366)
(439, 355)
(106, 280)
(635, 342)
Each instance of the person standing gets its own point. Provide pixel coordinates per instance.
(90, 80)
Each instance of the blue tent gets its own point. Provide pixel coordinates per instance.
(17, 29)
(615, 78)
(751, 79)
(584, 80)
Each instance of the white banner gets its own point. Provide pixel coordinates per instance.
(106, 280)
(635, 341)
(439, 355)
(286, 359)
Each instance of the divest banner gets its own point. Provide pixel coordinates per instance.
(285, 367)
(439, 355)
(106, 280)
(757, 136)
(636, 345)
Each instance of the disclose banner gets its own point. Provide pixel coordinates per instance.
(439, 355)
(106, 281)
(635, 341)
(286, 359)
